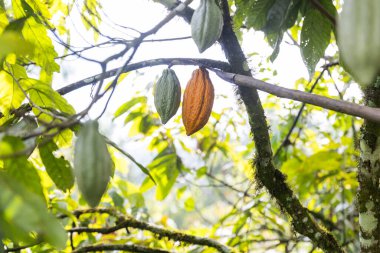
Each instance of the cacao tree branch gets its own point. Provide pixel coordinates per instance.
(119, 247)
(18, 249)
(266, 174)
(130, 222)
(321, 101)
(144, 64)
(345, 107)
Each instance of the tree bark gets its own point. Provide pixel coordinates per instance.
(369, 178)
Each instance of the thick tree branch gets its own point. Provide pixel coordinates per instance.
(130, 222)
(119, 247)
(144, 64)
(345, 107)
(321, 101)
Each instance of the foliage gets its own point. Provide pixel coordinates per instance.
(199, 190)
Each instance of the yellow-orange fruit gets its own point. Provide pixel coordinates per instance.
(198, 100)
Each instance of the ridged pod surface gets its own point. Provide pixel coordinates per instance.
(359, 39)
(167, 95)
(206, 24)
(92, 163)
(198, 100)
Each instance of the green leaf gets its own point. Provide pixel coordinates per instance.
(201, 172)
(39, 7)
(254, 12)
(3, 17)
(22, 212)
(44, 53)
(20, 168)
(128, 105)
(165, 170)
(181, 191)
(11, 96)
(276, 15)
(292, 14)
(275, 40)
(315, 37)
(58, 169)
(189, 204)
(11, 42)
(25, 173)
(10, 144)
(21, 129)
(44, 96)
(116, 199)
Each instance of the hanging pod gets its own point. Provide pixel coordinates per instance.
(206, 24)
(93, 165)
(167, 95)
(198, 100)
(359, 39)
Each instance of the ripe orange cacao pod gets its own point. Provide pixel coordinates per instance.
(198, 100)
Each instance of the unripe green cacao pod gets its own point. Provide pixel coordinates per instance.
(206, 24)
(359, 39)
(92, 163)
(167, 95)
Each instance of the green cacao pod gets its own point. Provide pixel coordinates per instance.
(167, 95)
(359, 39)
(206, 24)
(93, 165)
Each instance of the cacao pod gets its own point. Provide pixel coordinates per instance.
(93, 165)
(198, 100)
(206, 24)
(167, 95)
(359, 39)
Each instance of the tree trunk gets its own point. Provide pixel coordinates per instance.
(369, 179)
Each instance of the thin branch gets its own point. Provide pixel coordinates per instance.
(286, 140)
(345, 107)
(168, 39)
(15, 249)
(122, 247)
(130, 222)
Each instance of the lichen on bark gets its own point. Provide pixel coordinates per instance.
(369, 178)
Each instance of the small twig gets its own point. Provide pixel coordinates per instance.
(15, 249)
(130, 222)
(120, 247)
(168, 39)
(286, 140)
